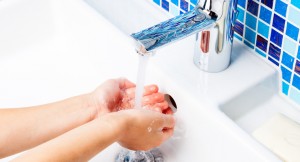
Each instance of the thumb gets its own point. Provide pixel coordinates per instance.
(125, 83)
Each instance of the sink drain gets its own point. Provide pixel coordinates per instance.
(171, 102)
(153, 155)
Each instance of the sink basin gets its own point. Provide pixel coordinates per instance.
(69, 48)
(255, 106)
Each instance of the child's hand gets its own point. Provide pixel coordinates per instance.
(118, 94)
(145, 129)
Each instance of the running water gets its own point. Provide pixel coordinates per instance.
(141, 75)
(153, 155)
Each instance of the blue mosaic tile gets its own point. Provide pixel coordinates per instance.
(287, 60)
(242, 3)
(191, 7)
(297, 67)
(241, 14)
(260, 53)
(263, 29)
(289, 46)
(293, 16)
(248, 44)
(268, 3)
(296, 3)
(238, 37)
(276, 37)
(274, 51)
(286, 74)
(261, 43)
(251, 21)
(278, 22)
(298, 55)
(281, 7)
(239, 28)
(285, 88)
(296, 81)
(273, 61)
(157, 2)
(252, 7)
(175, 2)
(250, 35)
(174, 10)
(292, 31)
(194, 2)
(165, 5)
(184, 5)
(265, 14)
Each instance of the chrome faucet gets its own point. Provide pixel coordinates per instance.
(211, 20)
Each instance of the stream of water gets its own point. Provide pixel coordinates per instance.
(140, 156)
(141, 75)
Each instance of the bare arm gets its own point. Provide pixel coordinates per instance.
(24, 128)
(84, 142)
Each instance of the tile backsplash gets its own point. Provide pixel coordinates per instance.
(270, 28)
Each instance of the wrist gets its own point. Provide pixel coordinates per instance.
(118, 123)
(88, 106)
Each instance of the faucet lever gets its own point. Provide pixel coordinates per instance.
(171, 30)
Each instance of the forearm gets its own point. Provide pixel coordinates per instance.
(24, 128)
(79, 144)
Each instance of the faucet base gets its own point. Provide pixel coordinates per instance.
(206, 57)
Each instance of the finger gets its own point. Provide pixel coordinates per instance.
(153, 98)
(162, 105)
(168, 111)
(125, 83)
(169, 121)
(157, 109)
(167, 133)
(148, 90)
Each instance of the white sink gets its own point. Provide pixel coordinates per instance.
(68, 48)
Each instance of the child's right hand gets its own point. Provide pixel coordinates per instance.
(145, 129)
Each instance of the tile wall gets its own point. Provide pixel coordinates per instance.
(270, 28)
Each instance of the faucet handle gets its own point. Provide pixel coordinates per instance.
(171, 30)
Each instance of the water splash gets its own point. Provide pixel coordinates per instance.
(153, 155)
